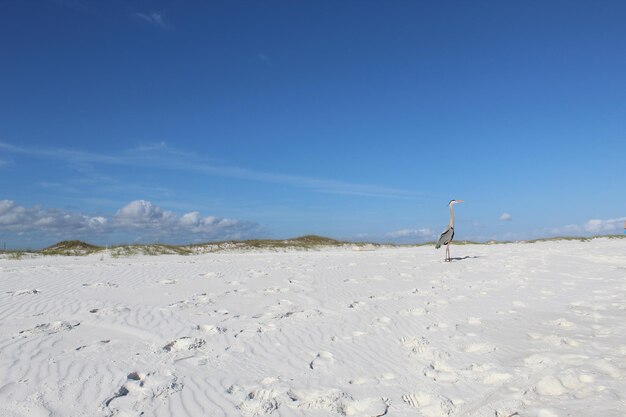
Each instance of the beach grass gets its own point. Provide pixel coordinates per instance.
(307, 242)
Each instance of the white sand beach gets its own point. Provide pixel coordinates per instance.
(505, 330)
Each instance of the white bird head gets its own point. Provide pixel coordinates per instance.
(453, 202)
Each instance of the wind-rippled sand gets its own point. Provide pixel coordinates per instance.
(507, 330)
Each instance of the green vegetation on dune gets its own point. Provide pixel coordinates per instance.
(71, 247)
(552, 239)
(151, 249)
(575, 238)
(15, 254)
(316, 240)
(78, 247)
(303, 242)
(308, 242)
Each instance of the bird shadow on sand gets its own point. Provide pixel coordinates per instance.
(463, 258)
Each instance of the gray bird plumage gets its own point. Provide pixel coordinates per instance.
(445, 237)
(448, 234)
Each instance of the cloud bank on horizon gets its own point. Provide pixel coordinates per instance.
(593, 226)
(411, 234)
(139, 220)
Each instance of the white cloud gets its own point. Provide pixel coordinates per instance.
(141, 214)
(145, 216)
(190, 219)
(152, 17)
(592, 227)
(18, 219)
(605, 226)
(505, 217)
(138, 218)
(568, 229)
(411, 233)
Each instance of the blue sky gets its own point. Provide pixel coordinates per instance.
(125, 121)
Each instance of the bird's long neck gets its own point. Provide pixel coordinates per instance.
(451, 215)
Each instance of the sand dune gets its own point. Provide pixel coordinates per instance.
(506, 330)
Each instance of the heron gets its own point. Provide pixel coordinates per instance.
(448, 234)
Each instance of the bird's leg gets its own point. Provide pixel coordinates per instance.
(448, 253)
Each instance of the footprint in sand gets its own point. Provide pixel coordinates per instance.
(421, 348)
(196, 300)
(414, 343)
(184, 343)
(474, 321)
(274, 290)
(440, 371)
(537, 361)
(323, 360)
(23, 292)
(372, 406)
(417, 400)
(480, 348)
(210, 329)
(94, 347)
(550, 386)
(414, 311)
(499, 408)
(100, 285)
(437, 326)
(50, 328)
(363, 380)
(337, 402)
(486, 374)
(109, 311)
(437, 303)
(212, 275)
(495, 378)
(381, 321)
(259, 402)
(388, 376)
(298, 314)
(609, 369)
(553, 339)
(429, 405)
(601, 331)
(580, 385)
(266, 327)
(421, 292)
(560, 322)
(357, 304)
(357, 333)
(141, 393)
